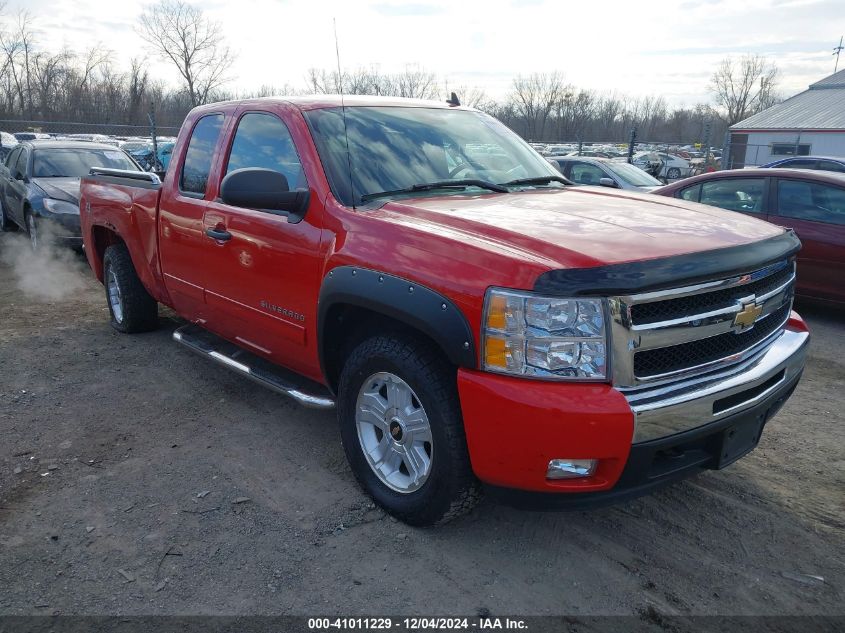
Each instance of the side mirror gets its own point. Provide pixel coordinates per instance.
(257, 188)
(608, 182)
(17, 175)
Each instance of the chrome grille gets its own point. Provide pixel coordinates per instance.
(662, 360)
(655, 311)
(669, 334)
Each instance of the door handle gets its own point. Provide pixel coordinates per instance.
(221, 235)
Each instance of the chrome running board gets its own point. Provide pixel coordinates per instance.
(304, 391)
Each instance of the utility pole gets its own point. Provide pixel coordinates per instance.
(836, 52)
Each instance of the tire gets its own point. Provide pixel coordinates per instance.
(131, 307)
(673, 173)
(6, 225)
(35, 241)
(448, 488)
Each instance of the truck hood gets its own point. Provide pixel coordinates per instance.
(580, 227)
(66, 189)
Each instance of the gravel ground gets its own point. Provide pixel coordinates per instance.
(137, 478)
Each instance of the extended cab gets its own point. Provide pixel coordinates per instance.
(472, 317)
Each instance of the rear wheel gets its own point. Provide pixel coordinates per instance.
(673, 173)
(131, 307)
(402, 430)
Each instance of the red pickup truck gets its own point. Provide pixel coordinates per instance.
(473, 318)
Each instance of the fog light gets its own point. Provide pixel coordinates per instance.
(571, 468)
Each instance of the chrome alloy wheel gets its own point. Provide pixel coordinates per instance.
(394, 432)
(115, 300)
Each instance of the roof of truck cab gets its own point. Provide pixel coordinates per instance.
(316, 102)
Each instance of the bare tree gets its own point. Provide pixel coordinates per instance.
(179, 32)
(413, 83)
(608, 110)
(744, 87)
(534, 98)
(137, 88)
(473, 97)
(47, 71)
(17, 50)
(416, 83)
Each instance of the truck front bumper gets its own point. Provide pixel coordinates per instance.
(515, 427)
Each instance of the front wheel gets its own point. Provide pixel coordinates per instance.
(131, 307)
(34, 235)
(673, 174)
(401, 428)
(5, 223)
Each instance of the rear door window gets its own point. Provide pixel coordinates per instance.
(195, 170)
(811, 201)
(735, 194)
(263, 140)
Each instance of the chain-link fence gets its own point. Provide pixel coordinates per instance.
(148, 144)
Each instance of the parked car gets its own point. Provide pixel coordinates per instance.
(354, 253)
(7, 143)
(824, 163)
(668, 166)
(39, 187)
(31, 136)
(812, 203)
(603, 172)
(144, 156)
(134, 144)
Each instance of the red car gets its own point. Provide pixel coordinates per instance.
(473, 317)
(812, 203)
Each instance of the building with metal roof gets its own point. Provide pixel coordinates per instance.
(809, 123)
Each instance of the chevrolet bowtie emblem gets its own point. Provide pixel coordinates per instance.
(746, 317)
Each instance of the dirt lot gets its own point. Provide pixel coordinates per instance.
(123, 460)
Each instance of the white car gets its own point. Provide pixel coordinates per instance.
(671, 167)
(7, 143)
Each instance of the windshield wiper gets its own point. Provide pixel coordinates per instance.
(441, 184)
(539, 180)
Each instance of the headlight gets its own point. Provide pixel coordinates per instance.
(550, 337)
(59, 206)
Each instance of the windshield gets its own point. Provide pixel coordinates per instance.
(77, 162)
(395, 148)
(633, 175)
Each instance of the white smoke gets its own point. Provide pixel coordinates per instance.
(54, 273)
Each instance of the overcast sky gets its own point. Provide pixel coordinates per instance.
(637, 47)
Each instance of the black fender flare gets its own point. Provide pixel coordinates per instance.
(417, 306)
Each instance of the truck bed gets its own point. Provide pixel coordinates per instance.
(128, 202)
